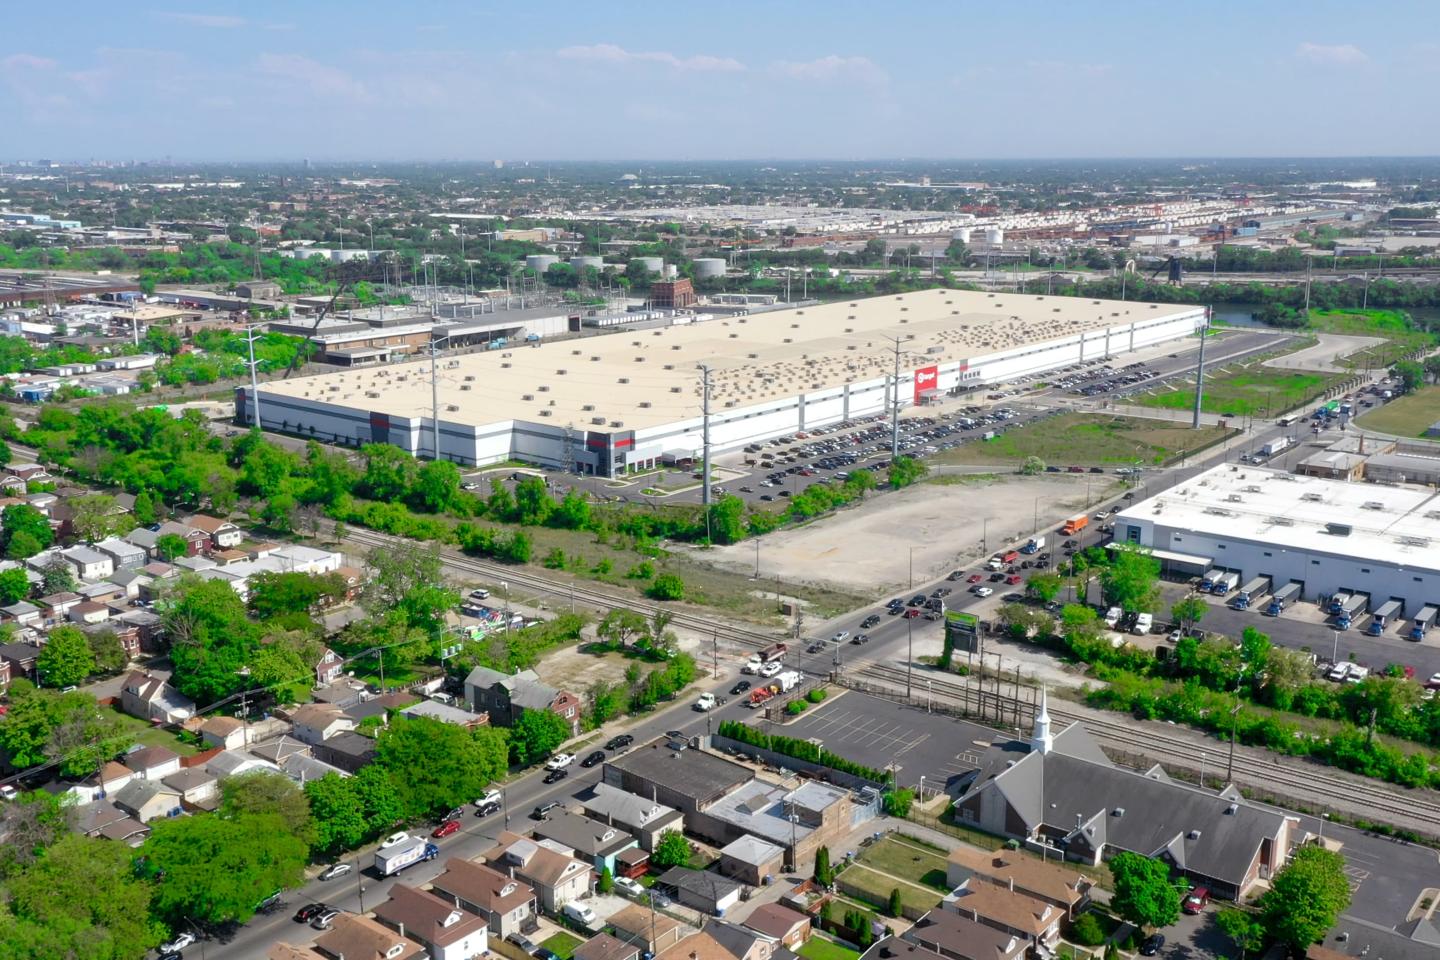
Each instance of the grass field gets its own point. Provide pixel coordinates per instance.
(821, 947)
(1086, 439)
(1247, 389)
(1408, 416)
(1390, 324)
(902, 859)
(562, 945)
(877, 886)
(147, 735)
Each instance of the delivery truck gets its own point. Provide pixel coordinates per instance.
(1337, 602)
(1254, 589)
(1389, 611)
(1423, 621)
(1280, 598)
(1225, 583)
(1074, 525)
(1272, 447)
(1034, 545)
(391, 860)
(1351, 610)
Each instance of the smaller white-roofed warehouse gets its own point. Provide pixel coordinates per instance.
(1328, 535)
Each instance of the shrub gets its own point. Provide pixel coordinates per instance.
(667, 586)
(1087, 931)
(895, 906)
(799, 749)
(795, 707)
(644, 570)
(816, 695)
(897, 802)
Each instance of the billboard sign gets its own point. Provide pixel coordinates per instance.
(926, 380)
(962, 630)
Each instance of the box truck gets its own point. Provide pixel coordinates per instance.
(1423, 621)
(1352, 609)
(394, 859)
(1286, 594)
(1254, 589)
(1225, 583)
(1389, 610)
(1034, 545)
(1272, 447)
(1074, 525)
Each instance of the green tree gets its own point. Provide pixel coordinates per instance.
(279, 512)
(1131, 581)
(94, 517)
(211, 639)
(146, 512)
(108, 651)
(390, 472)
(533, 502)
(82, 899)
(338, 809)
(1044, 586)
(437, 486)
(897, 802)
(261, 792)
(21, 518)
(606, 882)
(217, 869)
(824, 875)
(1189, 611)
(1032, 466)
(1079, 623)
(573, 512)
(33, 822)
(1243, 927)
(671, 850)
(408, 581)
(621, 627)
(1087, 931)
(66, 659)
(168, 546)
(14, 586)
(1410, 374)
(1306, 897)
(667, 586)
(1144, 892)
(57, 576)
(535, 735)
(434, 765)
(895, 906)
(22, 546)
(727, 519)
(905, 471)
(277, 594)
(862, 481)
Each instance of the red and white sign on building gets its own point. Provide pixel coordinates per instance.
(927, 379)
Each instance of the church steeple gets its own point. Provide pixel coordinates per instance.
(1040, 739)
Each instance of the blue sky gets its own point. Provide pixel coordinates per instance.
(718, 80)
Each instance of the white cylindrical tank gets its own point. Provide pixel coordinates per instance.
(671, 271)
(961, 235)
(540, 262)
(994, 235)
(594, 263)
(710, 267)
(652, 264)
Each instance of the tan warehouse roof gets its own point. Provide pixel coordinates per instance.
(642, 378)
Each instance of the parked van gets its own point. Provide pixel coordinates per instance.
(581, 913)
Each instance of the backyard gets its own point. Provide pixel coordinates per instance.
(562, 945)
(149, 735)
(1409, 416)
(1087, 438)
(875, 887)
(902, 858)
(821, 947)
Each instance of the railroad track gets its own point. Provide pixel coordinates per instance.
(1301, 784)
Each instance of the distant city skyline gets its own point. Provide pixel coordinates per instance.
(269, 80)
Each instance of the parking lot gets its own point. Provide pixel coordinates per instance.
(879, 733)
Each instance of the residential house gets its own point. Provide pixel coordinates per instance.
(28, 472)
(551, 869)
(129, 580)
(4, 675)
(329, 668)
(602, 946)
(790, 928)
(353, 937)
(145, 539)
(102, 591)
(1034, 921)
(348, 751)
(958, 937)
(1062, 791)
(651, 929)
(801, 820)
(318, 722)
(56, 607)
(22, 613)
(21, 658)
(1043, 879)
(146, 800)
(232, 763)
(446, 931)
(295, 760)
(280, 950)
(103, 819)
(12, 488)
(505, 903)
(721, 941)
(90, 564)
(227, 733)
(197, 541)
(435, 710)
(152, 698)
(197, 787)
(703, 890)
(505, 696)
(123, 554)
(751, 860)
(44, 502)
(127, 635)
(149, 628)
(593, 841)
(222, 534)
(691, 781)
(88, 613)
(153, 763)
(641, 816)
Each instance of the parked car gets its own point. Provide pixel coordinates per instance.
(335, 870)
(180, 942)
(488, 809)
(629, 886)
(1196, 900)
(622, 741)
(543, 810)
(523, 942)
(445, 829)
(975, 578)
(1152, 944)
(322, 921)
(491, 796)
(983, 591)
(740, 687)
(581, 913)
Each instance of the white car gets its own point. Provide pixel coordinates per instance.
(840, 636)
(179, 943)
(560, 761)
(491, 797)
(771, 668)
(629, 886)
(394, 840)
(983, 591)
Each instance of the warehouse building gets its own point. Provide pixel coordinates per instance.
(607, 405)
(1326, 535)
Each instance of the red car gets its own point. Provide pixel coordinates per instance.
(446, 828)
(1013, 579)
(975, 578)
(912, 613)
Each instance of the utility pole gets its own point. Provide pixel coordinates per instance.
(895, 398)
(705, 444)
(254, 378)
(909, 656)
(1200, 374)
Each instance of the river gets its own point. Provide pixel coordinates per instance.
(1243, 314)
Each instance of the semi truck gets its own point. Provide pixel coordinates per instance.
(1225, 583)
(761, 657)
(1336, 603)
(1074, 525)
(1380, 619)
(394, 859)
(1286, 594)
(1254, 589)
(1272, 447)
(1423, 621)
(1207, 581)
(1034, 545)
(1351, 610)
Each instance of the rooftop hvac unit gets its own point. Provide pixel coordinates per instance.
(1312, 498)
(527, 396)
(1338, 529)
(1219, 512)
(623, 380)
(1432, 514)
(546, 413)
(1233, 498)
(469, 378)
(617, 423)
(1252, 489)
(1415, 541)
(543, 388)
(504, 366)
(464, 386)
(597, 421)
(1282, 521)
(1372, 505)
(676, 389)
(587, 407)
(451, 364)
(644, 404)
(451, 408)
(373, 394)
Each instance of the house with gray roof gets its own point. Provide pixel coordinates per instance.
(123, 554)
(147, 799)
(1062, 792)
(90, 564)
(644, 818)
(591, 840)
(504, 696)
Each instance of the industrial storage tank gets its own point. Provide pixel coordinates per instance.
(652, 264)
(671, 271)
(994, 235)
(710, 267)
(540, 262)
(961, 235)
(594, 263)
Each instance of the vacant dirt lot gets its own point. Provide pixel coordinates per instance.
(869, 548)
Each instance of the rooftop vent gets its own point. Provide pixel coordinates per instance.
(1415, 541)
(1338, 529)
(1312, 498)
(451, 408)
(1118, 812)
(1282, 521)
(465, 386)
(527, 396)
(597, 421)
(1372, 505)
(588, 407)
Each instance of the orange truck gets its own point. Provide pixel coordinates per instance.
(1074, 525)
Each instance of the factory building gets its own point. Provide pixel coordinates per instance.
(611, 404)
(1327, 535)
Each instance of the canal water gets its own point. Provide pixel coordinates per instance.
(1243, 314)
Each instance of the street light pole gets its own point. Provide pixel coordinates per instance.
(909, 655)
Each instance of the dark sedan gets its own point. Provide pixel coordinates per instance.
(595, 758)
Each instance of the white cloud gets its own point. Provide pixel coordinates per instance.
(610, 53)
(1341, 54)
(27, 61)
(209, 20)
(833, 69)
(322, 81)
